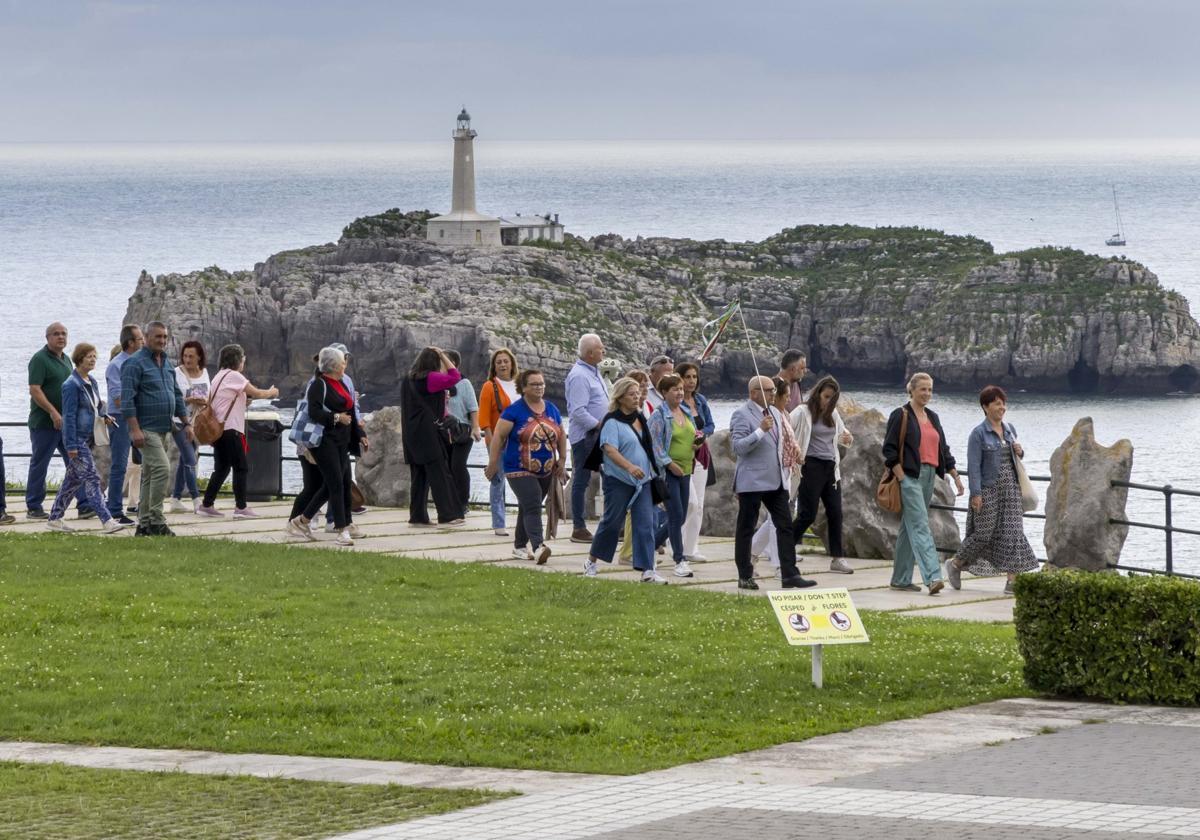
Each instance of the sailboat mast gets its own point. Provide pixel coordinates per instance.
(1117, 208)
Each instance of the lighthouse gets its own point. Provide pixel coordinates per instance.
(463, 225)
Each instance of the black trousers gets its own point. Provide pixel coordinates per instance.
(229, 455)
(818, 484)
(333, 463)
(460, 476)
(314, 489)
(779, 508)
(434, 478)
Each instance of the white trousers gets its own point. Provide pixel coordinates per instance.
(695, 512)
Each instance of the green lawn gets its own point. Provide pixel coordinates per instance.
(254, 648)
(56, 802)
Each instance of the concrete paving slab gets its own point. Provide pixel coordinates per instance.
(998, 609)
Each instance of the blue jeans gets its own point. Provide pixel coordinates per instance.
(497, 497)
(43, 444)
(186, 472)
(118, 438)
(619, 497)
(580, 478)
(679, 488)
(914, 543)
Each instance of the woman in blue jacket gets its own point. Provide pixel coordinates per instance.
(81, 404)
(995, 540)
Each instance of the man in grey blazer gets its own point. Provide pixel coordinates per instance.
(757, 440)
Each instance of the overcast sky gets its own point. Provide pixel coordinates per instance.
(215, 70)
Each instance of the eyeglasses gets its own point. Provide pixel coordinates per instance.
(535, 384)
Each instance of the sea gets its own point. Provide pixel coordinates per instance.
(79, 222)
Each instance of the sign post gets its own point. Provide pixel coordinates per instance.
(815, 618)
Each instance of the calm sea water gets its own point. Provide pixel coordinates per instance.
(78, 223)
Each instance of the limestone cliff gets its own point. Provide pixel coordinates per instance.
(866, 304)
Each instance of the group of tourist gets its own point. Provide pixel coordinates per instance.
(646, 433)
(150, 402)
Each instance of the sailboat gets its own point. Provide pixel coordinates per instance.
(1117, 238)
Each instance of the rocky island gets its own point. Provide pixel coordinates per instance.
(867, 304)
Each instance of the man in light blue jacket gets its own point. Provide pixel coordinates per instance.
(755, 433)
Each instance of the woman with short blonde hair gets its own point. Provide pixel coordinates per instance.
(916, 461)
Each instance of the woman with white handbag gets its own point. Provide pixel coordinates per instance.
(85, 424)
(995, 541)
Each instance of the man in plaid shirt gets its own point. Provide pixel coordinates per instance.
(150, 401)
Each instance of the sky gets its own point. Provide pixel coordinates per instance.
(779, 70)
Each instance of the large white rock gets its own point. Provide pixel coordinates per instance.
(382, 473)
(1081, 502)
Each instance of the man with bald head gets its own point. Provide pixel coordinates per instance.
(48, 370)
(587, 403)
(755, 433)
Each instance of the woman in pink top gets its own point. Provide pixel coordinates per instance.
(426, 441)
(231, 392)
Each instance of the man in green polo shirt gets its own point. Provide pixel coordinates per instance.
(48, 370)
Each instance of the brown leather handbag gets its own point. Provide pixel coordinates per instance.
(887, 494)
(205, 425)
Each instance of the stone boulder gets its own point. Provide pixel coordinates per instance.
(1081, 501)
(382, 472)
(868, 531)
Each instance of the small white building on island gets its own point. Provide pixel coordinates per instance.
(517, 229)
(464, 225)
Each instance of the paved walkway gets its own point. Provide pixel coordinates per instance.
(388, 532)
(1021, 769)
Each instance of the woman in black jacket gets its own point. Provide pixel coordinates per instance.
(423, 406)
(923, 455)
(327, 475)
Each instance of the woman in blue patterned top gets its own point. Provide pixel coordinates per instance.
(531, 440)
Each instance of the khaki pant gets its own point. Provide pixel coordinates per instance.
(156, 471)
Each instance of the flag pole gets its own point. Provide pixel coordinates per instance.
(753, 358)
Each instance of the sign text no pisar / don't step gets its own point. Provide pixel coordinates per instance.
(818, 616)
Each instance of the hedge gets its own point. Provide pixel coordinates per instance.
(1109, 637)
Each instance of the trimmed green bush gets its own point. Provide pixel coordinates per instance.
(1102, 636)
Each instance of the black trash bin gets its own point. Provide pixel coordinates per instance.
(264, 433)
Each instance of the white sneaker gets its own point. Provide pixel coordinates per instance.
(244, 513)
(837, 564)
(453, 523)
(652, 576)
(112, 526)
(330, 528)
(522, 554)
(59, 525)
(697, 556)
(542, 554)
(354, 531)
(589, 568)
(197, 503)
(500, 532)
(297, 528)
(683, 570)
(176, 506)
(344, 538)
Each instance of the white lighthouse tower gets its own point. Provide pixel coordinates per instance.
(463, 225)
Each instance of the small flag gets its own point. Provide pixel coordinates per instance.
(719, 324)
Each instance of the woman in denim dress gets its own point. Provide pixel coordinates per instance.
(995, 541)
